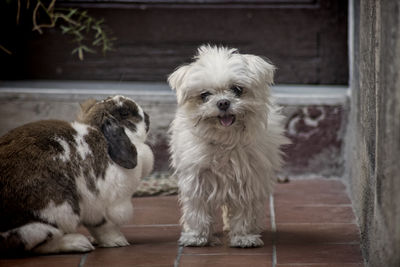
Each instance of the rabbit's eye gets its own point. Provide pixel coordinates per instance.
(124, 112)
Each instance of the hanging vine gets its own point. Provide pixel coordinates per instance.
(87, 33)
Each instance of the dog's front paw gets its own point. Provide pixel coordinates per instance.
(108, 236)
(193, 240)
(246, 241)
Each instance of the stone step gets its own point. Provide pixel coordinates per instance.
(316, 115)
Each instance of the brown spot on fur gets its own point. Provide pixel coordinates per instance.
(29, 175)
(98, 146)
(11, 244)
(147, 121)
(94, 113)
(32, 173)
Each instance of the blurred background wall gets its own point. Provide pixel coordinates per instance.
(305, 39)
(373, 148)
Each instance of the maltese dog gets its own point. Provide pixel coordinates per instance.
(225, 145)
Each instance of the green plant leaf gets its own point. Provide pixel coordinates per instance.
(85, 31)
(72, 11)
(65, 29)
(87, 49)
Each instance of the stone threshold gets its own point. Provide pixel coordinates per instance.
(315, 116)
(160, 91)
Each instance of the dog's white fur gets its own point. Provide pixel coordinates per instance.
(225, 166)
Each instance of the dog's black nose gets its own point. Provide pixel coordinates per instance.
(223, 104)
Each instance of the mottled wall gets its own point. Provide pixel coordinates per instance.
(316, 128)
(373, 147)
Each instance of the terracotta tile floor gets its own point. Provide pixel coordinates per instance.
(310, 223)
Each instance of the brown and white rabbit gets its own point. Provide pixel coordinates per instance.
(56, 175)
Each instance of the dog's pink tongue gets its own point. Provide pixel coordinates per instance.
(226, 120)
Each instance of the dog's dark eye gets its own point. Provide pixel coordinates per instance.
(204, 96)
(237, 90)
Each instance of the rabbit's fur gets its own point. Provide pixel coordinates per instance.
(56, 175)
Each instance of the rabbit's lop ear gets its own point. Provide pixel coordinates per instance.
(120, 148)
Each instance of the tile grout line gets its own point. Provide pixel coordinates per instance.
(178, 256)
(324, 223)
(225, 254)
(273, 229)
(83, 260)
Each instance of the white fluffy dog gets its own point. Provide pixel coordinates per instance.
(225, 144)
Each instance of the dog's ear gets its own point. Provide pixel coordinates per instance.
(120, 148)
(261, 68)
(176, 82)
